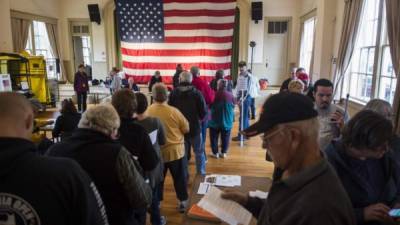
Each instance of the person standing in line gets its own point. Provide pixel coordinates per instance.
(155, 129)
(35, 189)
(175, 79)
(173, 151)
(81, 87)
(222, 115)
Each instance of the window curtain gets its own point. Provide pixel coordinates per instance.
(55, 47)
(111, 43)
(235, 46)
(393, 28)
(351, 23)
(20, 33)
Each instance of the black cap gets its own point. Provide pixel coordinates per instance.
(284, 107)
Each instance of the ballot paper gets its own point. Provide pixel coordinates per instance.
(153, 137)
(203, 188)
(228, 211)
(258, 194)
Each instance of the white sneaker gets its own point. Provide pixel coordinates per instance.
(215, 155)
(182, 206)
(223, 155)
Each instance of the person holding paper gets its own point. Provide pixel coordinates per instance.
(305, 188)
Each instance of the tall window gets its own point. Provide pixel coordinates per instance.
(307, 43)
(38, 44)
(86, 50)
(371, 73)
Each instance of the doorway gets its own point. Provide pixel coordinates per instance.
(82, 46)
(276, 42)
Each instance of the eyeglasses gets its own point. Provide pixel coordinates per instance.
(265, 138)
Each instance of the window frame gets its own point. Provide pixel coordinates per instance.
(303, 19)
(377, 76)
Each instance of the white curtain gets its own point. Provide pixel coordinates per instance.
(393, 28)
(20, 33)
(352, 17)
(55, 46)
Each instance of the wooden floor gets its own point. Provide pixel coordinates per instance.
(246, 161)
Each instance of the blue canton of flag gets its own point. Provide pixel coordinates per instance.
(140, 20)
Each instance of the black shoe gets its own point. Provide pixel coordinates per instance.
(237, 138)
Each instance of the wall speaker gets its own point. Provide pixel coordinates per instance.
(256, 11)
(94, 13)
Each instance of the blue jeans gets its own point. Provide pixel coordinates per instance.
(155, 215)
(195, 142)
(246, 104)
(225, 136)
(203, 127)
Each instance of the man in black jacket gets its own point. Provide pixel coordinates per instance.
(39, 190)
(193, 106)
(109, 164)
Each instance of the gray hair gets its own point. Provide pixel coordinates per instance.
(381, 107)
(185, 77)
(160, 92)
(195, 71)
(102, 118)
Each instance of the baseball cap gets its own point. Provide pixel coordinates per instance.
(284, 107)
(303, 76)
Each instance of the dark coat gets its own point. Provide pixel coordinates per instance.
(356, 187)
(136, 140)
(98, 155)
(54, 190)
(65, 124)
(191, 104)
(153, 81)
(81, 83)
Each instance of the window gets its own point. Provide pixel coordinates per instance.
(277, 27)
(371, 74)
(86, 50)
(307, 43)
(38, 44)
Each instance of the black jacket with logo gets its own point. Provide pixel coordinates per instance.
(41, 190)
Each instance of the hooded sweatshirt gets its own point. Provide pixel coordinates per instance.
(40, 190)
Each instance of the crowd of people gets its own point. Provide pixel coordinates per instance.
(111, 162)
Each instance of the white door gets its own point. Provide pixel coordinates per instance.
(276, 51)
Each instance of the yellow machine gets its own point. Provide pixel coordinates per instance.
(28, 74)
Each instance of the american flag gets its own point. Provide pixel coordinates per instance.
(159, 34)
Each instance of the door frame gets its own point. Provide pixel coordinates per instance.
(289, 36)
(72, 22)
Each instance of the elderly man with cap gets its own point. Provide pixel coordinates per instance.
(305, 189)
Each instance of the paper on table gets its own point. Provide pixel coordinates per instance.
(153, 137)
(258, 194)
(203, 188)
(228, 211)
(228, 180)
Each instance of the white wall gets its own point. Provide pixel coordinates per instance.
(327, 38)
(281, 9)
(38, 7)
(5, 26)
(77, 9)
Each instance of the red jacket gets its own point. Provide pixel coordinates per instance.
(205, 89)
